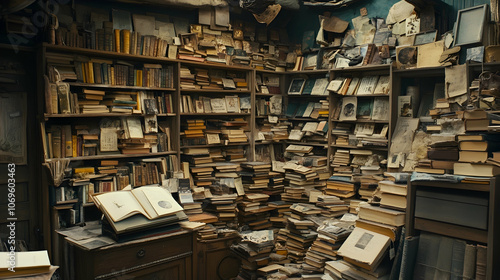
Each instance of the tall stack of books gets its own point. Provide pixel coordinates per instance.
(279, 207)
(120, 102)
(301, 232)
(254, 211)
(91, 101)
(393, 195)
(294, 194)
(255, 176)
(187, 79)
(224, 206)
(193, 133)
(330, 237)
(332, 206)
(253, 251)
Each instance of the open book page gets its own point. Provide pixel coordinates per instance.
(119, 205)
(156, 201)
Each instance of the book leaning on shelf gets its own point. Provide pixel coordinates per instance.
(140, 212)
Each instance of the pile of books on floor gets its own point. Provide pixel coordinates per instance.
(253, 252)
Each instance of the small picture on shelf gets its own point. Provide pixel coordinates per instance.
(232, 104)
(218, 105)
(364, 110)
(404, 106)
(296, 86)
(349, 105)
(213, 138)
(245, 103)
(199, 106)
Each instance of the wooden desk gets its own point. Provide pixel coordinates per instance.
(162, 257)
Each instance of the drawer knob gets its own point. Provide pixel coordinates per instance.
(141, 253)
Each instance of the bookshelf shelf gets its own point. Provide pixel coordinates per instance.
(386, 67)
(360, 147)
(107, 54)
(267, 142)
(307, 96)
(115, 156)
(213, 65)
(99, 115)
(309, 119)
(216, 145)
(268, 71)
(118, 87)
(220, 91)
(320, 71)
(266, 94)
(215, 114)
(307, 144)
(360, 121)
(366, 95)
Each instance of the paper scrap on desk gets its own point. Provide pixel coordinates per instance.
(455, 80)
(399, 12)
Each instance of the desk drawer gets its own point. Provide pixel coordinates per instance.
(140, 254)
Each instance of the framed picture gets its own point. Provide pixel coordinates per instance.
(470, 25)
(296, 86)
(425, 37)
(233, 104)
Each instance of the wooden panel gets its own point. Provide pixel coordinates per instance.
(455, 231)
(140, 253)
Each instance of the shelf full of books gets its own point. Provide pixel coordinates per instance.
(361, 103)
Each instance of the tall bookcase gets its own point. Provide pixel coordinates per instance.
(347, 133)
(73, 141)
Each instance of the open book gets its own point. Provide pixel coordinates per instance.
(152, 202)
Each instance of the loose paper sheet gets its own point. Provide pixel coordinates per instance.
(455, 80)
(399, 12)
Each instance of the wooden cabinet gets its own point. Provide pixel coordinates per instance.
(163, 257)
(214, 260)
(488, 236)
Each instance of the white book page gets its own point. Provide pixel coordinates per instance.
(120, 205)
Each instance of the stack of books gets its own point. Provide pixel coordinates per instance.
(254, 211)
(255, 176)
(193, 133)
(340, 186)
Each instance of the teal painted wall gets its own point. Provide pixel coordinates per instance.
(307, 17)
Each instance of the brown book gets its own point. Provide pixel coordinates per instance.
(393, 201)
(117, 40)
(473, 156)
(476, 124)
(125, 39)
(443, 154)
(442, 164)
(475, 115)
(474, 169)
(473, 145)
(382, 215)
(429, 170)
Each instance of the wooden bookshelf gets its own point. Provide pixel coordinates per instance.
(115, 156)
(220, 91)
(215, 114)
(107, 86)
(361, 147)
(102, 115)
